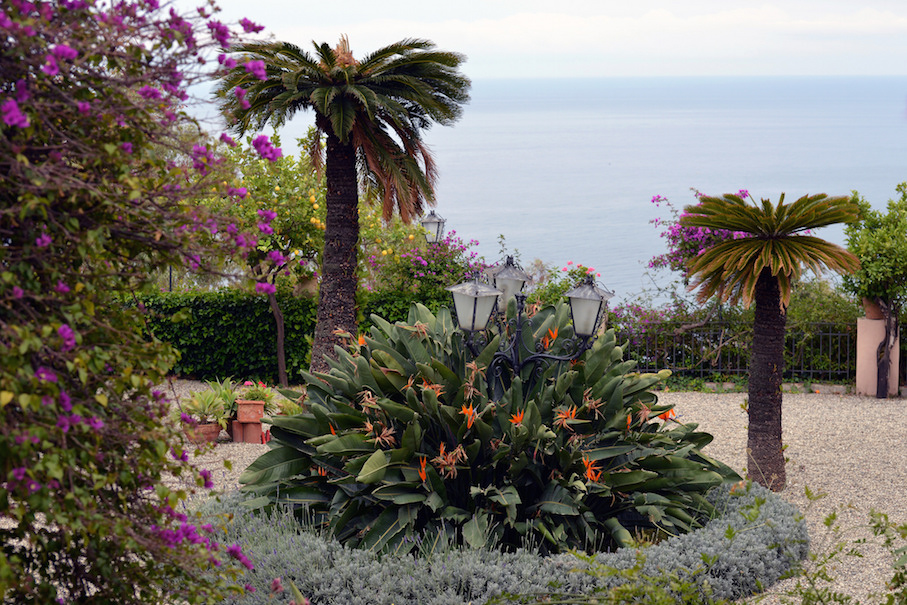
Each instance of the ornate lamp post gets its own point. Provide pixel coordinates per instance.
(475, 304)
(434, 227)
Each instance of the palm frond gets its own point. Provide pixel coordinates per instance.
(774, 241)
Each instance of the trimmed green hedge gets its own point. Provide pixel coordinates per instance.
(231, 332)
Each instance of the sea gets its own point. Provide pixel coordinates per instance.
(566, 169)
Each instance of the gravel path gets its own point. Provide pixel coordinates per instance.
(848, 447)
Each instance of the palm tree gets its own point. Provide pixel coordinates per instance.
(372, 112)
(768, 254)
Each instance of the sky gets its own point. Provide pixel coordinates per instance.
(602, 38)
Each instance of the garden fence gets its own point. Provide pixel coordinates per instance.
(818, 351)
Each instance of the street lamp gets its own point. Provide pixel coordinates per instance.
(434, 227)
(475, 304)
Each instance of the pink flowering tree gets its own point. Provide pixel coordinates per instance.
(95, 169)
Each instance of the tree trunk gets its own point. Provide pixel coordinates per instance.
(281, 340)
(765, 457)
(883, 353)
(337, 294)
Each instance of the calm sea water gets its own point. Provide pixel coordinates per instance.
(566, 169)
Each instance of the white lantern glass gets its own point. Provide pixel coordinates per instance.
(434, 227)
(474, 303)
(586, 305)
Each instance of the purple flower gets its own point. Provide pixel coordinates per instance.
(226, 61)
(265, 288)
(267, 215)
(239, 192)
(84, 107)
(249, 588)
(65, 401)
(19, 473)
(257, 69)
(127, 147)
(65, 53)
(265, 228)
(219, 32)
(95, 423)
(244, 240)
(249, 27)
(12, 115)
(201, 158)
(61, 288)
(22, 94)
(43, 240)
(149, 92)
(17, 292)
(240, 93)
(183, 457)
(225, 138)
(205, 474)
(33, 486)
(45, 374)
(63, 423)
(277, 257)
(50, 66)
(68, 336)
(265, 149)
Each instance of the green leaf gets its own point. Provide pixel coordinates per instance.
(278, 464)
(374, 469)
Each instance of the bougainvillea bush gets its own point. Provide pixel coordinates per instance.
(402, 441)
(96, 158)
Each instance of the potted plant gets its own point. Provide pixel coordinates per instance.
(206, 409)
(226, 391)
(881, 282)
(256, 400)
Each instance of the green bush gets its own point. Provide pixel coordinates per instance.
(230, 332)
(402, 439)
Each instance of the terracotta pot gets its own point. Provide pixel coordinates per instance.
(236, 431)
(203, 433)
(249, 411)
(872, 309)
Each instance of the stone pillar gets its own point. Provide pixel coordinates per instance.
(871, 332)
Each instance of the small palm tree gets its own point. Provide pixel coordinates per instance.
(768, 255)
(372, 112)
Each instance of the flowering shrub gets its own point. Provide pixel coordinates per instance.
(552, 283)
(96, 164)
(397, 277)
(685, 243)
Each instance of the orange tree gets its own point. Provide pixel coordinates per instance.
(282, 203)
(373, 112)
(760, 267)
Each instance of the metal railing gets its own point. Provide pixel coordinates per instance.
(817, 351)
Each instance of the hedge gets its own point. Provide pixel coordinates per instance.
(231, 332)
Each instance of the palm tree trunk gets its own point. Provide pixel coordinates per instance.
(337, 294)
(765, 459)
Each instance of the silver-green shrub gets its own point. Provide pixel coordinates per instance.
(755, 540)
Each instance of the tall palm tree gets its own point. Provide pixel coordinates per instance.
(372, 113)
(760, 266)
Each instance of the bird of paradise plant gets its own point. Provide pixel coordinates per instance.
(506, 470)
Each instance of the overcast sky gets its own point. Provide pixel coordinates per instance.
(600, 38)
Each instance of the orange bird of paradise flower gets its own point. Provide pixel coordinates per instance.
(563, 416)
(470, 414)
(592, 471)
(629, 420)
(517, 419)
(548, 340)
(422, 474)
(668, 415)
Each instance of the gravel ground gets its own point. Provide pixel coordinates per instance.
(845, 446)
